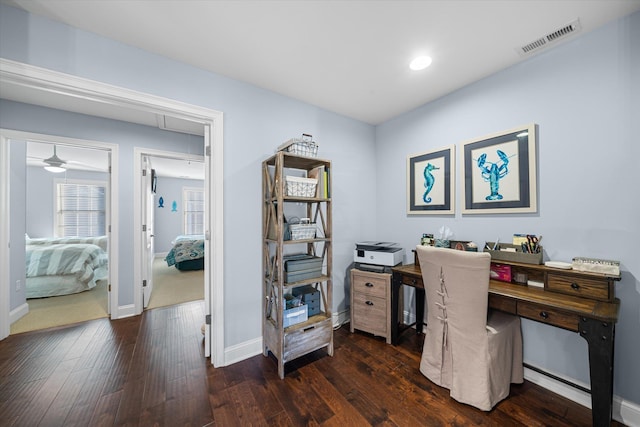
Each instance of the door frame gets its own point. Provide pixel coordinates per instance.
(71, 87)
(138, 245)
(147, 216)
(112, 222)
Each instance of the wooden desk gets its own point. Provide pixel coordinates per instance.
(591, 311)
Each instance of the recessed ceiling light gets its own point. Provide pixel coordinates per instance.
(420, 63)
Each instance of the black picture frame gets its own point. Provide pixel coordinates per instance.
(435, 194)
(500, 172)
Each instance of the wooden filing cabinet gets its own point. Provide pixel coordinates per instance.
(371, 303)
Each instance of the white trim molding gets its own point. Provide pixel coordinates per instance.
(239, 352)
(623, 411)
(74, 87)
(19, 312)
(5, 293)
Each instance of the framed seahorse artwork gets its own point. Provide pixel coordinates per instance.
(499, 174)
(431, 182)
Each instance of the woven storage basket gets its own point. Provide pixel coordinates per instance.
(304, 146)
(300, 187)
(303, 230)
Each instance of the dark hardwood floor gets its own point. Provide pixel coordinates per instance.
(150, 370)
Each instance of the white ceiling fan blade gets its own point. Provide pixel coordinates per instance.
(87, 166)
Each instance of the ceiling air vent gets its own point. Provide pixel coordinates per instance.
(557, 35)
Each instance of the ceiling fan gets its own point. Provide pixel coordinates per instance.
(85, 159)
(54, 163)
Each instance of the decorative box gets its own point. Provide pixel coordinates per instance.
(311, 297)
(500, 272)
(294, 312)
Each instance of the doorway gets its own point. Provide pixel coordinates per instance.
(71, 90)
(66, 274)
(173, 207)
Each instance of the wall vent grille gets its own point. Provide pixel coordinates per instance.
(552, 37)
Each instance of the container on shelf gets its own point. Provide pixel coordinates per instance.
(303, 230)
(304, 146)
(294, 311)
(300, 187)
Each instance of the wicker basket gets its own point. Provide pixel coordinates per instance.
(300, 187)
(303, 230)
(304, 146)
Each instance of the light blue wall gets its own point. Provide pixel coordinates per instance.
(256, 121)
(584, 95)
(168, 224)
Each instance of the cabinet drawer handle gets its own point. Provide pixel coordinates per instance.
(369, 285)
(369, 302)
(575, 286)
(544, 314)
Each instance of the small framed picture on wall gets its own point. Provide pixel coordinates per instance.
(431, 182)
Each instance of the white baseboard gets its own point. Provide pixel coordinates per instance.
(242, 351)
(558, 387)
(124, 311)
(162, 255)
(623, 411)
(18, 313)
(340, 318)
(626, 412)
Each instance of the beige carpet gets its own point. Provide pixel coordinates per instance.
(170, 286)
(64, 310)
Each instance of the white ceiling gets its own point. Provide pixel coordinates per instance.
(349, 57)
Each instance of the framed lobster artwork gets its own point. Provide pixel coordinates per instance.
(500, 172)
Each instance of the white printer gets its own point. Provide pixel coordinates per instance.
(374, 256)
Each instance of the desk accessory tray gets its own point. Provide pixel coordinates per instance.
(513, 256)
(596, 265)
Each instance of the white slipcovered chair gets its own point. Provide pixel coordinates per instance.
(475, 356)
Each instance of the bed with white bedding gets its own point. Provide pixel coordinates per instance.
(54, 268)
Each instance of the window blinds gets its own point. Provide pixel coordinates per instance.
(80, 210)
(193, 202)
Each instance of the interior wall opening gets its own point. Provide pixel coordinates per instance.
(67, 214)
(37, 81)
(176, 220)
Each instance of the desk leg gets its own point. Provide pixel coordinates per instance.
(396, 284)
(600, 337)
(419, 309)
